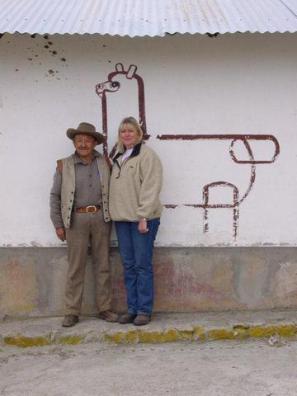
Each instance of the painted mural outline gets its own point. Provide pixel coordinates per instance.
(111, 85)
(205, 205)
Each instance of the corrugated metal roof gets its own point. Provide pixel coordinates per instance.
(147, 17)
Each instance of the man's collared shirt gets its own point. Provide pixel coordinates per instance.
(87, 186)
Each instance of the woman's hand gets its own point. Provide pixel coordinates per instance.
(142, 226)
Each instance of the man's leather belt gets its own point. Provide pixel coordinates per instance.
(88, 209)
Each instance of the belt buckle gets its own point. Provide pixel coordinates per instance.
(91, 208)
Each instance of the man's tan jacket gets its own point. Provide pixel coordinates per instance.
(66, 165)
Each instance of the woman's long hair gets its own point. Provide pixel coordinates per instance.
(135, 124)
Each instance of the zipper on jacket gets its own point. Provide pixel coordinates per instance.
(120, 166)
(134, 153)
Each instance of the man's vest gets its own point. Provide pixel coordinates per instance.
(66, 167)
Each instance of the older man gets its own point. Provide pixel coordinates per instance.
(79, 212)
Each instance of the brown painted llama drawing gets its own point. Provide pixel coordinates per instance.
(112, 85)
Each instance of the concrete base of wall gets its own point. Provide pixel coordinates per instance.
(186, 280)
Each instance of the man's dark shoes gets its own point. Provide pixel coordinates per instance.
(142, 320)
(127, 318)
(108, 316)
(70, 320)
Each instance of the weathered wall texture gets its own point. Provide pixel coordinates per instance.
(200, 99)
(186, 280)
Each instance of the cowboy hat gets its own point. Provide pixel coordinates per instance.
(87, 129)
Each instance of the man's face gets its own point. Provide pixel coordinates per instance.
(84, 145)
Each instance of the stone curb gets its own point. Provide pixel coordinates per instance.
(139, 336)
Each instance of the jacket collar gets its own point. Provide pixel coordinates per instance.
(135, 152)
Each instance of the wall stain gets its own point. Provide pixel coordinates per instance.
(48, 46)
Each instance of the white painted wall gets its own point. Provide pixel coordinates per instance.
(233, 84)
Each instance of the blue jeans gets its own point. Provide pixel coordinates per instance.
(136, 252)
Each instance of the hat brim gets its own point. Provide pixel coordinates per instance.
(96, 135)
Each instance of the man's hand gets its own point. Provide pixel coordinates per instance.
(61, 233)
(142, 226)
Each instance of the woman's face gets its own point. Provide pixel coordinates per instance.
(129, 136)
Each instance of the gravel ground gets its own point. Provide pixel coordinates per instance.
(213, 369)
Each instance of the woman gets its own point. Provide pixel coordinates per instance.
(135, 207)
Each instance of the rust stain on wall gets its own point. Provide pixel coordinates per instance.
(181, 283)
(18, 286)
